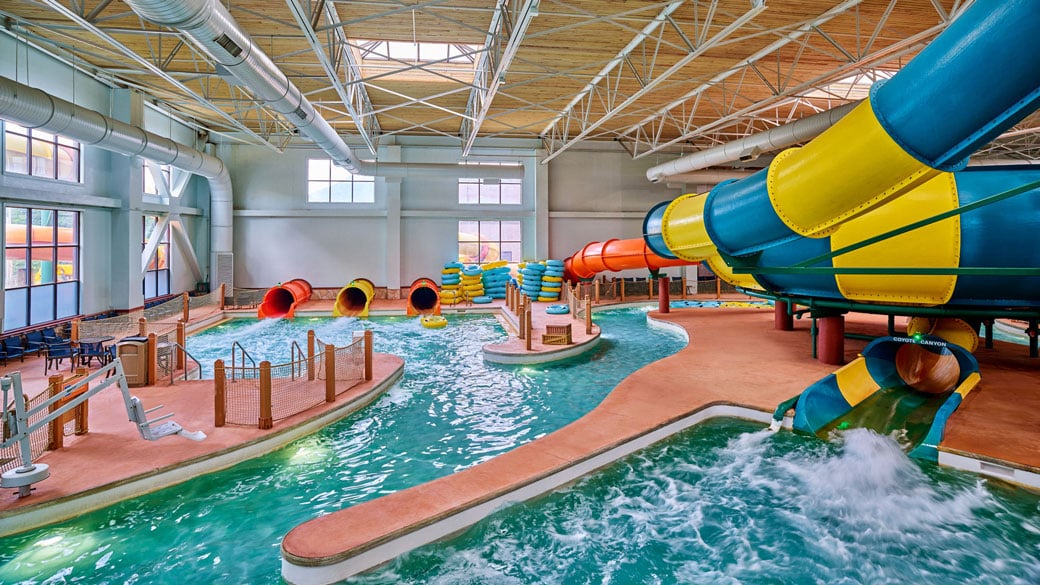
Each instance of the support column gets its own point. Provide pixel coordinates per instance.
(831, 340)
(663, 300)
(783, 320)
(393, 238)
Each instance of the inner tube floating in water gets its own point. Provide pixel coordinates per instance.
(557, 309)
(433, 321)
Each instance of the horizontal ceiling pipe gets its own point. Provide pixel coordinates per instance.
(751, 146)
(209, 24)
(33, 108)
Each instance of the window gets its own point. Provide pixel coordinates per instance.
(423, 52)
(41, 266)
(486, 241)
(328, 183)
(157, 276)
(150, 188)
(490, 191)
(40, 154)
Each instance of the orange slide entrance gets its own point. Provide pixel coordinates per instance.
(282, 300)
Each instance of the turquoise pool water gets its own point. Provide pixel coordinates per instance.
(450, 411)
(728, 503)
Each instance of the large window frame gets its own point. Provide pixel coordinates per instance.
(53, 157)
(488, 240)
(42, 271)
(157, 276)
(328, 183)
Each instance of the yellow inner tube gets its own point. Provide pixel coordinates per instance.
(433, 321)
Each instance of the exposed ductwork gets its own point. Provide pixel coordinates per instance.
(209, 24)
(33, 108)
(751, 146)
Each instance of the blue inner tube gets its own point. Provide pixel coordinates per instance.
(557, 309)
(482, 300)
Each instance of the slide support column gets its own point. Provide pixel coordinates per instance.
(783, 320)
(663, 300)
(831, 340)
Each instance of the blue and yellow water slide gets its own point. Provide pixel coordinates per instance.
(879, 209)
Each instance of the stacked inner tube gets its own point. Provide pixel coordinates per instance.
(531, 279)
(552, 281)
(451, 283)
(495, 277)
(471, 282)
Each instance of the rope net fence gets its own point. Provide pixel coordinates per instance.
(10, 457)
(118, 327)
(295, 386)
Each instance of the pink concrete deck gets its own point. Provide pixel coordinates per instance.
(734, 357)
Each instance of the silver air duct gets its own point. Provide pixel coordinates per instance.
(33, 108)
(751, 146)
(215, 31)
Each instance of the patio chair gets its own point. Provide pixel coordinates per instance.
(56, 352)
(12, 347)
(34, 342)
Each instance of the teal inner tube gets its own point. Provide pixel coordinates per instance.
(482, 300)
(557, 309)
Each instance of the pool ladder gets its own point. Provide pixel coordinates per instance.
(237, 352)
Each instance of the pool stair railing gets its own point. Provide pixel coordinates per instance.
(920, 363)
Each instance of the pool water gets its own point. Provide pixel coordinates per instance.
(451, 410)
(728, 503)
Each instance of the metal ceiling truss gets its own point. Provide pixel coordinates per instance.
(202, 88)
(721, 98)
(337, 59)
(509, 24)
(605, 98)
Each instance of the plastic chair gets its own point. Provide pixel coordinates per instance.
(34, 342)
(12, 348)
(55, 352)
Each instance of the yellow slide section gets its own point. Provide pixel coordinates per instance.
(844, 172)
(353, 300)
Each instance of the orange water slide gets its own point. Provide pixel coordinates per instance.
(424, 298)
(281, 301)
(615, 255)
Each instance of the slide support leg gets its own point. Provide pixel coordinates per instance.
(783, 320)
(831, 339)
(663, 300)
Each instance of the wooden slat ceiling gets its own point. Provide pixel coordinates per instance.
(552, 88)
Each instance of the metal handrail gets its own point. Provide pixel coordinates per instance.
(245, 355)
(300, 364)
(174, 346)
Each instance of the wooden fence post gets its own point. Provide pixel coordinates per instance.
(82, 412)
(368, 354)
(650, 287)
(142, 327)
(153, 366)
(219, 404)
(182, 340)
(595, 287)
(310, 354)
(588, 316)
(521, 313)
(266, 419)
(222, 295)
(682, 281)
(56, 430)
(184, 310)
(330, 373)
(527, 327)
(622, 290)
(74, 330)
